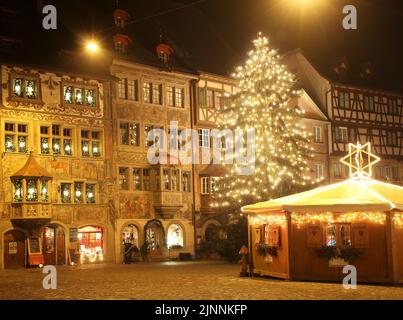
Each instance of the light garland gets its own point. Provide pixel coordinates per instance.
(301, 219)
(398, 220)
(273, 219)
(281, 142)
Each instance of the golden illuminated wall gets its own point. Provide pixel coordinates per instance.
(47, 109)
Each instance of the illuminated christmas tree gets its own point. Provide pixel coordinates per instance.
(281, 143)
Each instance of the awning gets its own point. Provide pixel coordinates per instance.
(354, 194)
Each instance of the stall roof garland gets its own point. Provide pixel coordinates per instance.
(313, 218)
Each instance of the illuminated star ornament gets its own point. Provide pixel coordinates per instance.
(360, 159)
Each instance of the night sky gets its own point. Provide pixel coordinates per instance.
(214, 35)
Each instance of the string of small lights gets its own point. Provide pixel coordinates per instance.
(282, 148)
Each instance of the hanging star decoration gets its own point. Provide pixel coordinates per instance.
(360, 159)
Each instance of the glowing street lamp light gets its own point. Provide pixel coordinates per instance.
(92, 46)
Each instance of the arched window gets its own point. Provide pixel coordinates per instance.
(175, 236)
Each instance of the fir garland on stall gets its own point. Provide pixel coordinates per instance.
(264, 249)
(331, 252)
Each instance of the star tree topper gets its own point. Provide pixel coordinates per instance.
(360, 159)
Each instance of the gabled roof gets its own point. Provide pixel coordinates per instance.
(32, 169)
(354, 194)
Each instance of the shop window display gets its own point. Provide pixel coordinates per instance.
(91, 242)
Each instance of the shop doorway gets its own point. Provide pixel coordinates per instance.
(91, 243)
(14, 249)
(130, 234)
(130, 244)
(154, 237)
(54, 245)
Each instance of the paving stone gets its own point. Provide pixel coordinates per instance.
(174, 280)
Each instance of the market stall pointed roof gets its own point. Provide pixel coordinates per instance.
(354, 194)
(32, 169)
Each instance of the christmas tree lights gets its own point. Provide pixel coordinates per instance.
(282, 147)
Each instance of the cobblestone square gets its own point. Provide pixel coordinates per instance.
(174, 280)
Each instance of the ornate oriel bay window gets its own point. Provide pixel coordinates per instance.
(31, 191)
(78, 95)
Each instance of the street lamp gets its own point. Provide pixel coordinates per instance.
(92, 46)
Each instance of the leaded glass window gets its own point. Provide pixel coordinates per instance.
(170, 96)
(67, 147)
(155, 138)
(18, 87)
(137, 179)
(45, 146)
(9, 143)
(78, 192)
(22, 144)
(122, 88)
(16, 137)
(132, 91)
(25, 87)
(156, 93)
(90, 143)
(32, 190)
(56, 140)
(165, 176)
(129, 134)
(85, 148)
(90, 193)
(79, 96)
(185, 181)
(96, 149)
(146, 179)
(179, 97)
(90, 97)
(56, 147)
(18, 192)
(68, 94)
(30, 89)
(147, 92)
(44, 191)
(66, 192)
(175, 180)
(124, 178)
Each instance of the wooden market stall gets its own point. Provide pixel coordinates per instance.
(313, 234)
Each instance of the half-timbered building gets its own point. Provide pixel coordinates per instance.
(360, 108)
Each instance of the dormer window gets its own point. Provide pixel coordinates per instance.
(163, 56)
(120, 16)
(119, 22)
(120, 47)
(121, 42)
(164, 53)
